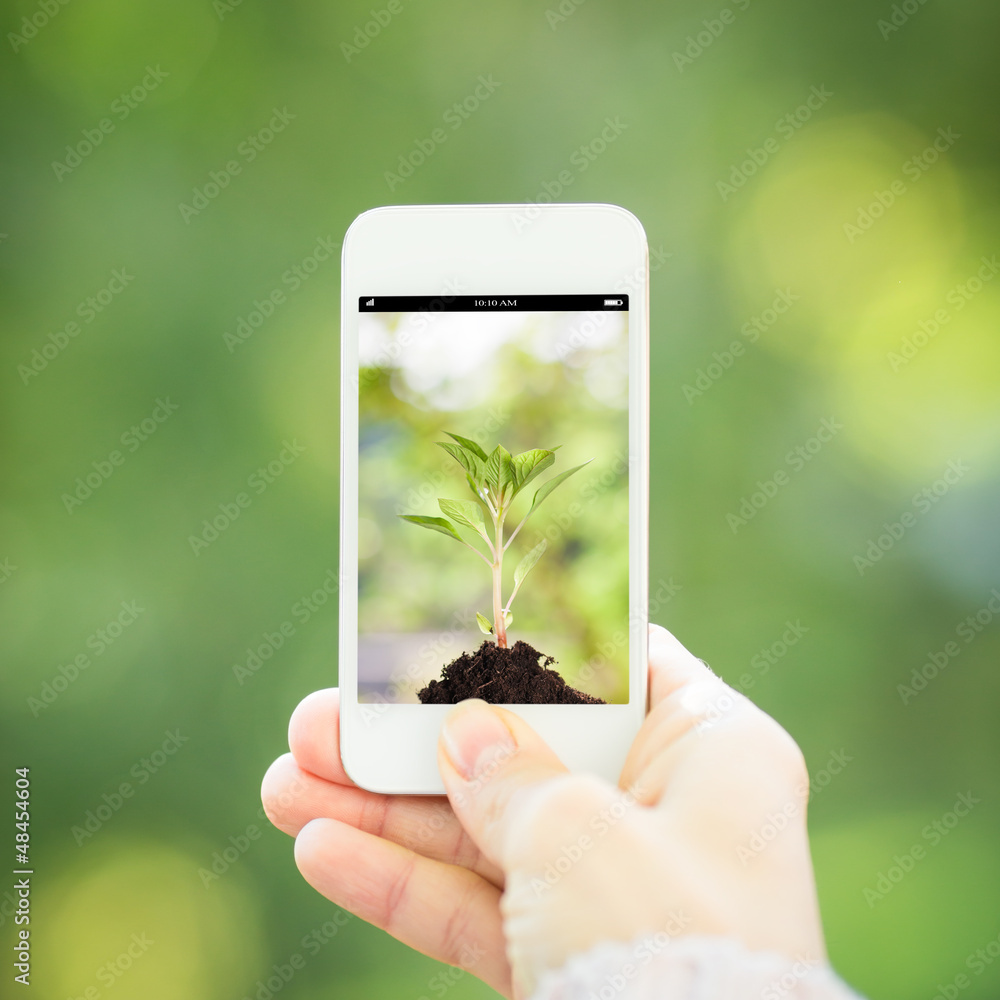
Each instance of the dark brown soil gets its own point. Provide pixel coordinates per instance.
(511, 676)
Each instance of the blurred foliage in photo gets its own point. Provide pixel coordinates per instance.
(820, 186)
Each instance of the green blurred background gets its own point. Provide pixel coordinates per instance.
(858, 298)
(523, 380)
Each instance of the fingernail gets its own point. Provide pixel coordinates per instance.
(474, 735)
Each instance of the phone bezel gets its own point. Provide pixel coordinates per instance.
(491, 249)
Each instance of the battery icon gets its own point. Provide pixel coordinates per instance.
(613, 302)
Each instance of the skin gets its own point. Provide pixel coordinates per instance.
(472, 879)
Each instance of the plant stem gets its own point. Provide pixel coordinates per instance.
(472, 548)
(485, 497)
(513, 534)
(499, 625)
(510, 600)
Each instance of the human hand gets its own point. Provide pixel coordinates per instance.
(525, 864)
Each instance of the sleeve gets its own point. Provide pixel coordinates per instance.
(690, 968)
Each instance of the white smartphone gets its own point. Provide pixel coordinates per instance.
(494, 468)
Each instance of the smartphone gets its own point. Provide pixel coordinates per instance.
(494, 470)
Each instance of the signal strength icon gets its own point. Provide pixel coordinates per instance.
(370, 302)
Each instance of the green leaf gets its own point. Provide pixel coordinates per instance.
(492, 470)
(548, 487)
(473, 467)
(508, 619)
(434, 523)
(525, 566)
(506, 471)
(484, 624)
(529, 464)
(498, 470)
(465, 512)
(469, 445)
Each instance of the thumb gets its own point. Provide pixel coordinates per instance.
(496, 769)
(535, 820)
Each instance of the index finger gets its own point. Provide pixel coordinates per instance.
(314, 736)
(683, 693)
(673, 666)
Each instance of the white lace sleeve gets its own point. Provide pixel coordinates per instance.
(690, 968)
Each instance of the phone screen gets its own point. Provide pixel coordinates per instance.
(493, 499)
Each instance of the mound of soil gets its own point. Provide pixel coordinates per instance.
(511, 676)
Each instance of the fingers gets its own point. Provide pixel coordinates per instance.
(672, 666)
(293, 797)
(443, 911)
(684, 695)
(700, 729)
(501, 779)
(532, 817)
(314, 735)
